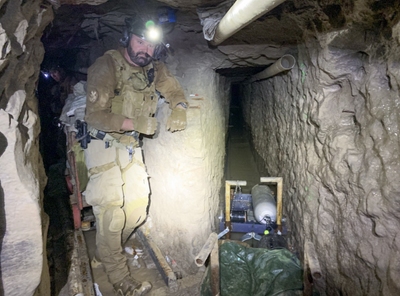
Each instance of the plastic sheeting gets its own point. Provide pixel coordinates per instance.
(211, 16)
(256, 272)
(75, 105)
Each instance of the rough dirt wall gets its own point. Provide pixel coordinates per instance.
(330, 128)
(22, 176)
(186, 168)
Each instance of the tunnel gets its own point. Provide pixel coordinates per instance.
(325, 125)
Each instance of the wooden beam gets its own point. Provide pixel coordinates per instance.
(206, 250)
(312, 260)
(214, 264)
(312, 270)
(228, 184)
(165, 270)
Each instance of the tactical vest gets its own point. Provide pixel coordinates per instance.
(135, 93)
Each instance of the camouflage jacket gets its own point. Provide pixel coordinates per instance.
(117, 90)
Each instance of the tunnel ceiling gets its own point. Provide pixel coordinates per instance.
(260, 43)
(70, 19)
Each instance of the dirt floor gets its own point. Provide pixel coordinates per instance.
(240, 165)
(142, 269)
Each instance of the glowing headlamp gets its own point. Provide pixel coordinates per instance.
(153, 33)
(45, 74)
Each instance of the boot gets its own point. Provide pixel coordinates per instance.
(130, 287)
(96, 262)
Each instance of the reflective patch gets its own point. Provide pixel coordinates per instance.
(93, 96)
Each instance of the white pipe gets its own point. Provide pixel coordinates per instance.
(264, 205)
(285, 63)
(279, 185)
(242, 13)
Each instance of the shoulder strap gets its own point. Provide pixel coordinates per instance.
(119, 66)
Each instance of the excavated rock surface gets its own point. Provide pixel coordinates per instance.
(58, 3)
(186, 168)
(22, 177)
(330, 128)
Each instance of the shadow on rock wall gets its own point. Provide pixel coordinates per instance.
(3, 146)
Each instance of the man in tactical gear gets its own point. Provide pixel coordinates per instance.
(121, 103)
(64, 87)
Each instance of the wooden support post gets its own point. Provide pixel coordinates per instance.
(206, 250)
(214, 264)
(210, 248)
(312, 269)
(228, 185)
(228, 208)
(312, 260)
(80, 277)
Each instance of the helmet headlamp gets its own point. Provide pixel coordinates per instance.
(148, 31)
(152, 33)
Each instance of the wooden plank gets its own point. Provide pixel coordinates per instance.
(312, 270)
(312, 260)
(228, 184)
(228, 208)
(80, 277)
(214, 265)
(279, 202)
(165, 270)
(206, 250)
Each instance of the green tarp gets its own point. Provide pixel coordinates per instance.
(256, 272)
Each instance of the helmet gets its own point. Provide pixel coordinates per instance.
(147, 31)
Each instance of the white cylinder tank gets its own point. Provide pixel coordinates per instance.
(264, 205)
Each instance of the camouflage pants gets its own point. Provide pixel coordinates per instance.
(118, 191)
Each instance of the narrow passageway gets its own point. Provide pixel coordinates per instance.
(240, 162)
(328, 125)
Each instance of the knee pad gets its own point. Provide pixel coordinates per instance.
(114, 219)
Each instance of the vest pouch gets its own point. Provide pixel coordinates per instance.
(124, 140)
(139, 81)
(132, 101)
(151, 104)
(117, 104)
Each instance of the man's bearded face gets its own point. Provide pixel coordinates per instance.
(140, 58)
(140, 51)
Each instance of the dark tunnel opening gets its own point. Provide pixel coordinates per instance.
(56, 200)
(244, 163)
(58, 74)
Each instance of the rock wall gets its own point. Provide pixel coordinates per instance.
(22, 178)
(330, 128)
(186, 168)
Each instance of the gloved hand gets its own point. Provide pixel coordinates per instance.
(145, 125)
(177, 120)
